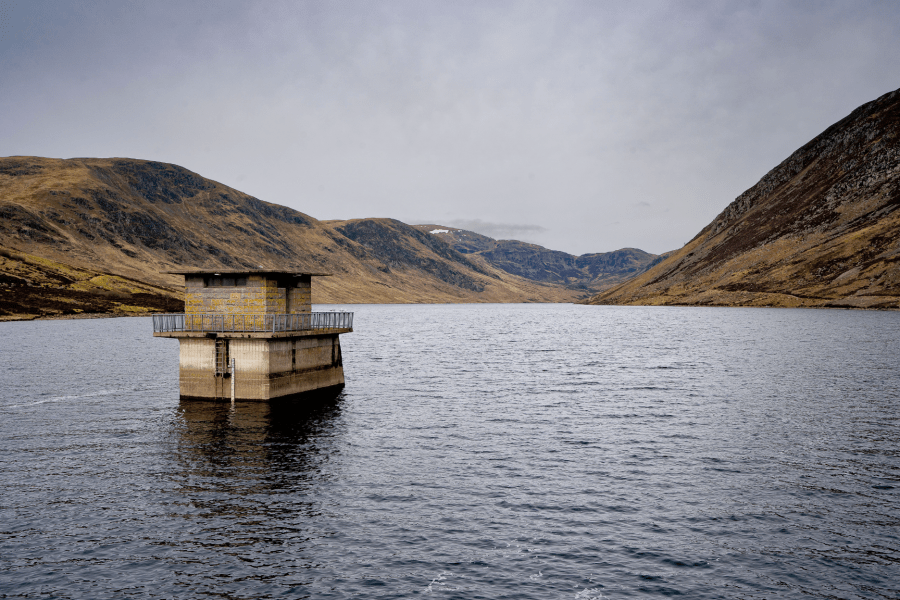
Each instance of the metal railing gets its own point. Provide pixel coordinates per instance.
(252, 323)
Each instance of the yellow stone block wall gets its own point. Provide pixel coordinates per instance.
(299, 299)
(260, 296)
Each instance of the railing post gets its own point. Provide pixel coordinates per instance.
(232, 381)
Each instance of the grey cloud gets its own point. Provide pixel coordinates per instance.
(499, 231)
(566, 114)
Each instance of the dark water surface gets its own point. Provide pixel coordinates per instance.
(500, 451)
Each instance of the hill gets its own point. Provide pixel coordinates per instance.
(593, 272)
(822, 229)
(94, 235)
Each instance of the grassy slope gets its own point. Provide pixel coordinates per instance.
(32, 286)
(136, 219)
(820, 230)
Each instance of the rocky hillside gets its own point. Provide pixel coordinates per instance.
(94, 235)
(820, 229)
(593, 272)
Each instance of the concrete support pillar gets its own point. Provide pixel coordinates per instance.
(269, 368)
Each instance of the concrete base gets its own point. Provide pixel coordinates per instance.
(310, 399)
(265, 368)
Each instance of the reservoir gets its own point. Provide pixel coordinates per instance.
(477, 451)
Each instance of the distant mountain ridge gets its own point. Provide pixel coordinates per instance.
(820, 229)
(593, 272)
(96, 235)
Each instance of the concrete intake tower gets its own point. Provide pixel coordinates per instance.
(252, 335)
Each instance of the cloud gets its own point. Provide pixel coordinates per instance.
(566, 114)
(499, 231)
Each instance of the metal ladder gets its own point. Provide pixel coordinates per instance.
(222, 364)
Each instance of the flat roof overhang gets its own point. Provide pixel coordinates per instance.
(277, 272)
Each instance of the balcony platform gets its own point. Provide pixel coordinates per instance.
(256, 335)
(251, 326)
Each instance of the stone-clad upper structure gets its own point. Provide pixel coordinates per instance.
(253, 292)
(251, 335)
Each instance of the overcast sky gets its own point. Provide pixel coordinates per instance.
(581, 126)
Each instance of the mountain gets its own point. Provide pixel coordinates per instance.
(820, 229)
(592, 272)
(95, 235)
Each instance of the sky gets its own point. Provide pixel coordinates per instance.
(581, 126)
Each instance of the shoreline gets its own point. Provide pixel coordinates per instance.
(74, 317)
(29, 317)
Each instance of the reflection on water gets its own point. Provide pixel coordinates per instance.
(242, 478)
(250, 449)
(254, 433)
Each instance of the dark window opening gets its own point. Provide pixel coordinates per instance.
(226, 281)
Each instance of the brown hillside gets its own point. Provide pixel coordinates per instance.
(820, 229)
(132, 219)
(31, 286)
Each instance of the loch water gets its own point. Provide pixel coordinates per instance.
(477, 451)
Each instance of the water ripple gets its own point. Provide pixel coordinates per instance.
(525, 451)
